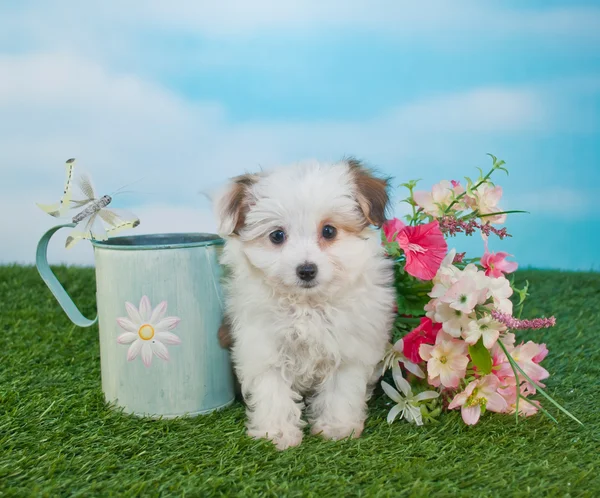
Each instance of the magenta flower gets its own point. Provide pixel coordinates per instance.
(392, 228)
(425, 333)
(495, 263)
(425, 248)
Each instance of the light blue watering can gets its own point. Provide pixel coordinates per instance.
(159, 309)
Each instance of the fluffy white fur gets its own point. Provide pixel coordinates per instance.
(318, 346)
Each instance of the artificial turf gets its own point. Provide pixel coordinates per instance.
(57, 437)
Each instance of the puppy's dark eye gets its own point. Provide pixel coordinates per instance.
(329, 232)
(277, 237)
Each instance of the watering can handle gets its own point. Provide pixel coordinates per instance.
(65, 301)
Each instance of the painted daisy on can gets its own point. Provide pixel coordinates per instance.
(148, 331)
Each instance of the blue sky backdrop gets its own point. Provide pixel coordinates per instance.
(187, 93)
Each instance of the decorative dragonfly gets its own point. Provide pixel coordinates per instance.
(95, 210)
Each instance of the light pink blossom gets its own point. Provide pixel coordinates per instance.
(485, 201)
(525, 356)
(434, 203)
(527, 407)
(480, 393)
(446, 360)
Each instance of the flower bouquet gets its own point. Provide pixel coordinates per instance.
(452, 335)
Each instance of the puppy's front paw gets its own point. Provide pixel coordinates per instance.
(282, 439)
(336, 432)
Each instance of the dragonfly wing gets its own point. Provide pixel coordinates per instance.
(92, 229)
(78, 204)
(119, 220)
(85, 185)
(61, 207)
(51, 209)
(79, 233)
(97, 231)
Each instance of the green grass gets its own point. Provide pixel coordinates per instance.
(58, 438)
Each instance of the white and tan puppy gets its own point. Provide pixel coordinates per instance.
(309, 295)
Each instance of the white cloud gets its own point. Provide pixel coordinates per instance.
(560, 202)
(435, 19)
(23, 229)
(121, 128)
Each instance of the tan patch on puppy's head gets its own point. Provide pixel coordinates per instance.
(371, 192)
(233, 205)
(342, 227)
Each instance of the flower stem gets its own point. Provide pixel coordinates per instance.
(503, 347)
(533, 383)
(485, 179)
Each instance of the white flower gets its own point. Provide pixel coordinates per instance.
(147, 330)
(486, 327)
(408, 406)
(463, 295)
(453, 321)
(394, 354)
(446, 275)
(500, 291)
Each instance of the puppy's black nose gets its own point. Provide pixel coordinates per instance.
(307, 271)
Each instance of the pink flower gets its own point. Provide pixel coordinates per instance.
(500, 365)
(542, 353)
(495, 263)
(392, 228)
(425, 248)
(446, 361)
(526, 355)
(480, 393)
(527, 407)
(425, 333)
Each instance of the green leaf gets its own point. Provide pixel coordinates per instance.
(523, 293)
(502, 212)
(411, 184)
(481, 357)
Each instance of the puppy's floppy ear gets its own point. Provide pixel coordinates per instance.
(232, 204)
(371, 192)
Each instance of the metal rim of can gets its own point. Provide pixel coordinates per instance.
(159, 241)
